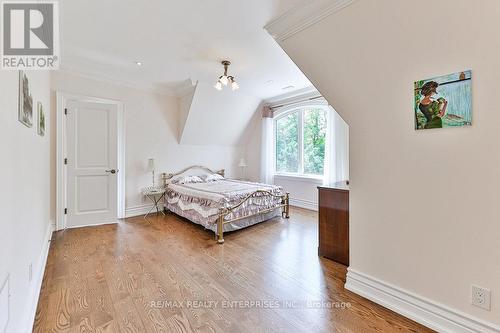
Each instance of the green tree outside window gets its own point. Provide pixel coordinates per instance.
(300, 141)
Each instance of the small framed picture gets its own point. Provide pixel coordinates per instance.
(25, 101)
(41, 119)
(444, 101)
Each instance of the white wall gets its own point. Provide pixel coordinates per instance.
(424, 205)
(25, 195)
(303, 191)
(151, 130)
(253, 146)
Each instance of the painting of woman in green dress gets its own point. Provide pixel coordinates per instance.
(443, 101)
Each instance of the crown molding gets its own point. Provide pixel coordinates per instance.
(302, 17)
(122, 83)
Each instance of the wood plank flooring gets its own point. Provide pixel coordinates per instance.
(166, 274)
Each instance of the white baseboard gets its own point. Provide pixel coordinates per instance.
(422, 310)
(36, 284)
(139, 210)
(96, 224)
(307, 204)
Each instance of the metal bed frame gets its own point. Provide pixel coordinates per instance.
(224, 212)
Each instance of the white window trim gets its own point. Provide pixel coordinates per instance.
(283, 112)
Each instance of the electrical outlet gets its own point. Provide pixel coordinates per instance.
(481, 297)
(30, 272)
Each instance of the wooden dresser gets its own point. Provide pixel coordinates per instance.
(334, 222)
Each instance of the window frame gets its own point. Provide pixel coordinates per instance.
(284, 112)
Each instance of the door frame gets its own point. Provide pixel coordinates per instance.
(62, 97)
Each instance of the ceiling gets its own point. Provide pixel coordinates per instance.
(177, 41)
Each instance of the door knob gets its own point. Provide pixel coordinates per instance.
(112, 171)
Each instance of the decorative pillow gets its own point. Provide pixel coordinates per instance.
(186, 180)
(212, 177)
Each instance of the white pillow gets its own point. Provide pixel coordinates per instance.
(212, 177)
(186, 180)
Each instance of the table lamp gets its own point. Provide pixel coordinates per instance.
(242, 165)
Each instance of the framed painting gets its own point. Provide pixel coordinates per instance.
(444, 101)
(25, 101)
(41, 119)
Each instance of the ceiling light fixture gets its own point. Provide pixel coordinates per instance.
(138, 63)
(225, 79)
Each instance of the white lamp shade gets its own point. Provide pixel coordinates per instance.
(235, 86)
(242, 163)
(224, 80)
(151, 165)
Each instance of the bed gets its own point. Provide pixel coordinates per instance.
(207, 198)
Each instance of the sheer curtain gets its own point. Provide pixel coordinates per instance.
(267, 149)
(336, 149)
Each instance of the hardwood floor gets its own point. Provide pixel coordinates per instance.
(145, 276)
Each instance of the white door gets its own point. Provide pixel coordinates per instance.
(92, 160)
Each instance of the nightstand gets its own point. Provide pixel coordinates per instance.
(156, 194)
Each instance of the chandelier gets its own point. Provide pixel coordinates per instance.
(224, 80)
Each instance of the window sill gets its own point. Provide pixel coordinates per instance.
(300, 178)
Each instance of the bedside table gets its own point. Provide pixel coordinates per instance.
(156, 194)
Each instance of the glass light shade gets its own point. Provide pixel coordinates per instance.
(235, 85)
(224, 80)
(218, 85)
(151, 165)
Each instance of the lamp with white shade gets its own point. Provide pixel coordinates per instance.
(242, 165)
(152, 168)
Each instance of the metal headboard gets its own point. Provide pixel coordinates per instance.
(167, 176)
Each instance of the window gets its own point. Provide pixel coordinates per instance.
(287, 143)
(300, 141)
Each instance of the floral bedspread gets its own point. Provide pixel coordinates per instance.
(201, 202)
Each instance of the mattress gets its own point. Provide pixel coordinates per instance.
(201, 202)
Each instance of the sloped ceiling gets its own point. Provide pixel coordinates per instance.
(216, 117)
(181, 45)
(185, 101)
(177, 40)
